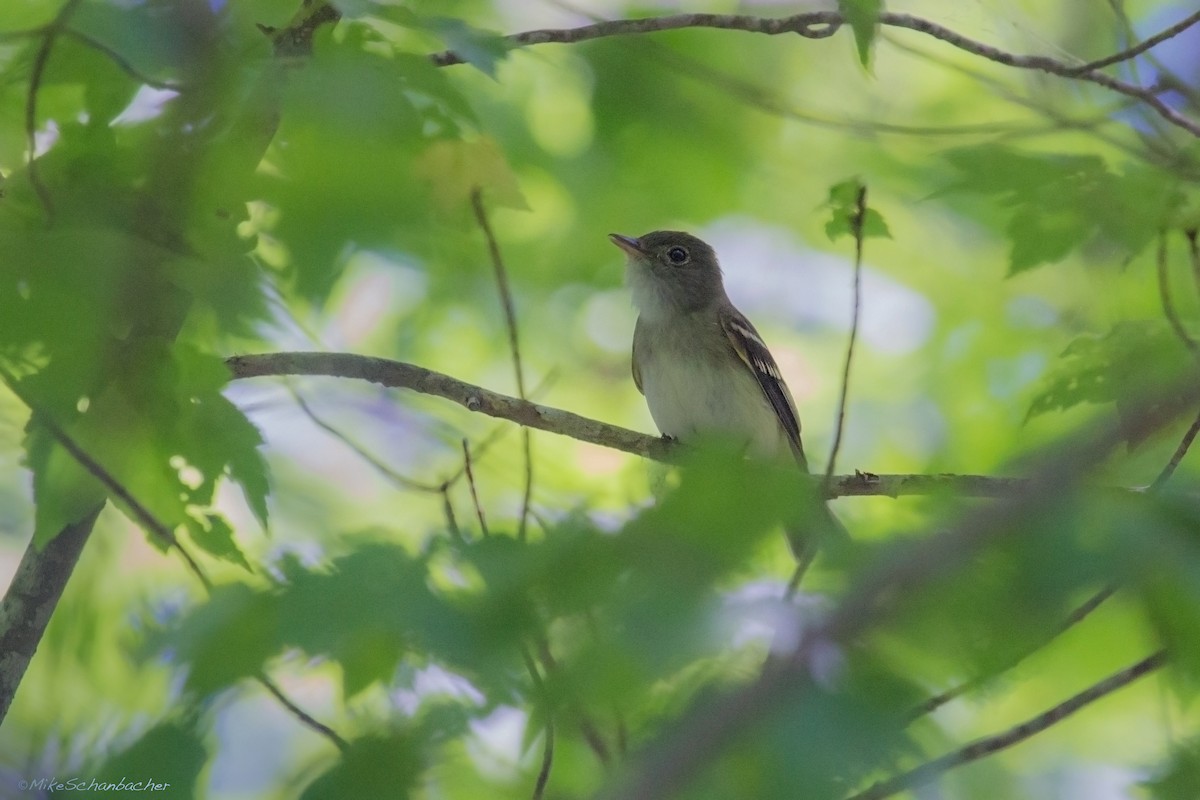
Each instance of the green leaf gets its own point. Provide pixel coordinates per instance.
(63, 490)
(1060, 203)
(1179, 777)
(371, 768)
(479, 48)
(863, 16)
(455, 169)
(214, 535)
(843, 205)
(225, 639)
(1113, 368)
(166, 761)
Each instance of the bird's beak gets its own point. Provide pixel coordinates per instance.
(627, 243)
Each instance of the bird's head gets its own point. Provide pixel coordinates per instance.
(670, 270)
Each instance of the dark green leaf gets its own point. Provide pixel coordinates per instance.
(1114, 368)
(372, 768)
(863, 16)
(166, 762)
(214, 535)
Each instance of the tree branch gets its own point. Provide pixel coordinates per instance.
(399, 375)
(514, 345)
(1074, 618)
(857, 219)
(821, 24)
(31, 599)
(981, 748)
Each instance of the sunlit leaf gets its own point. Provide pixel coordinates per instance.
(863, 16)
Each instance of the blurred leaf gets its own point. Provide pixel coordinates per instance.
(1062, 202)
(1118, 367)
(63, 490)
(1179, 778)
(481, 49)
(456, 169)
(165, 761)
(225, 639)
(863, 16)
(215, 536)
(843, 206)
(372, 768)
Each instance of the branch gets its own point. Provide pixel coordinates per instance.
(31, 599)
(1074, 618)
(1168, 306)
(1138, 49)
(399, 375)
(856, 228)
(510, 319)
(821, 24)
(981, 748)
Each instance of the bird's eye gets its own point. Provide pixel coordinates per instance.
(677, 255)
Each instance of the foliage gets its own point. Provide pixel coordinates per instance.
(363, 619)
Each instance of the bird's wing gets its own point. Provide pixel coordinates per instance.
(637, 373)
(754, 354)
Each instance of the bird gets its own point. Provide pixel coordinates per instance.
(703, 367)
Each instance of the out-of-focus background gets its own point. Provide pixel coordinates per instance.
(198, 195)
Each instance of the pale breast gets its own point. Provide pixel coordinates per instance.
(691, 390)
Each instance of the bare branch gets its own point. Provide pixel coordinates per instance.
(543, 776)
(510, 318)
(1141, 47)
(1073, 619)
(398, 374)
(483, 528)
(814, 25)
(856, 228)
(300, 714)
(403, 481)
(31, 599)
(993, 744)
(1168, 306)
(821, 24)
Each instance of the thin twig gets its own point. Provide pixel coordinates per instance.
(510, 319)
(40, 59)
(987, 746)
(1143, 46)
(856, 228)
(392, 475)
(300, 714)
(474, 494)
(1168, 307)
(821, 24)
(448, 511)
(1181, 450)
(1072, 619)
(1194, 254)
(124, 64)
(543, 776)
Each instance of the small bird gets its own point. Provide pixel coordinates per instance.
(701, 364)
